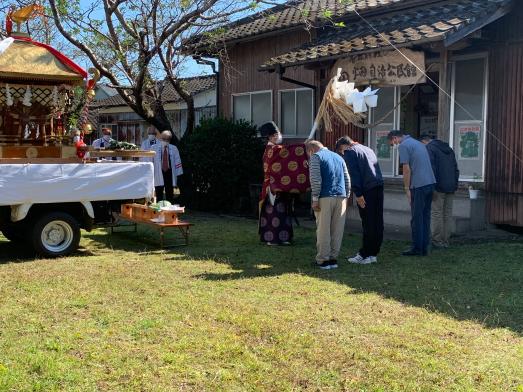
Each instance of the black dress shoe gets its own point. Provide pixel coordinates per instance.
(411, 252)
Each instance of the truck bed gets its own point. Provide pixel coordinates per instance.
(75, 182)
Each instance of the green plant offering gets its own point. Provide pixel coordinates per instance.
(122, 146)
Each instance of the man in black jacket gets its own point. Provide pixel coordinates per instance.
(367, 186)
(446, 171)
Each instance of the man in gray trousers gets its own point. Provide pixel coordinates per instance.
(330, 185)
(445, 168)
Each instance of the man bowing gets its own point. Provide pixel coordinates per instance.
(167, 167)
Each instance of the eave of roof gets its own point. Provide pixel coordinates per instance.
(416, 26)
(371, 8)
(207, 82)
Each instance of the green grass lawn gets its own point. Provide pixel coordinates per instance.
(228, 314)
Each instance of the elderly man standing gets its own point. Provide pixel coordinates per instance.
(151, 140)
(149, 143)
(367, 186)
(330, 183)
(167, 167)
(105, 141)
(445, 168)
(418, 181)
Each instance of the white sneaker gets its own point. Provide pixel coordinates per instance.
(366, 260)
(355, 259)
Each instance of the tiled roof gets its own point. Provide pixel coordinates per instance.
(92, 117)
(295, 13)
(413, 26)
(194, 86)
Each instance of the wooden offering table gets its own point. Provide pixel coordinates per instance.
(161, 220)
(123, 154)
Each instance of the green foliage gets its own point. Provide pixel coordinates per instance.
(77, 105)
(327, 14)
(221, 158)
(123, 146)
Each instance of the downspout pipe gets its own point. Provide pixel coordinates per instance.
(216, 71)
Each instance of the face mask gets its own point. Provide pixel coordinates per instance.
(279, 139)
(76, 139)
(107, 137)
(165, 143)
(151, 137)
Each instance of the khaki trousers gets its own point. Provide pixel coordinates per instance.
(330, 224)
(441, 218)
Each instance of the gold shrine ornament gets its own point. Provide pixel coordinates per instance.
(87, 129)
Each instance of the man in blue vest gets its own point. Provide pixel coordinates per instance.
(330, 188)
(418, 182)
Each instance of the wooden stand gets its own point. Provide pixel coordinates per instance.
(123, 154)
(141, 214)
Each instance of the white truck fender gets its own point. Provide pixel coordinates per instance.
(20, 211)
(88, 208)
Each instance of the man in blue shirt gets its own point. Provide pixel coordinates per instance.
(418, 182)
(367, 186)
(330, 188)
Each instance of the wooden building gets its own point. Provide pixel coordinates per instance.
(448, 68)
(112, 112)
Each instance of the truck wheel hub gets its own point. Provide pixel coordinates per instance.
(57, 236)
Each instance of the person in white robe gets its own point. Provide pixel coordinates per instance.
(167, 167)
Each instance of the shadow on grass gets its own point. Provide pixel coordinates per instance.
(480, 282)
(15, 252)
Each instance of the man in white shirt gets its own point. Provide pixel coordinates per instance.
(151, 140)
(105, 141)
(167, 167)
(149, 143)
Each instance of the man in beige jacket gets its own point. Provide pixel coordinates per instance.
(330, 185)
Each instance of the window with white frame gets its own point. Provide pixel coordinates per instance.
(387, 113)
(469, 115)
(296, 111)
(255, 107)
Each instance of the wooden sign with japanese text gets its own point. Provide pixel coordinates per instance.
(384, 68)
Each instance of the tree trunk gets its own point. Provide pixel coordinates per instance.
(190, 116)
(161, 122)
(190, 105)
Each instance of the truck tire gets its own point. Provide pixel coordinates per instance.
(55, 234)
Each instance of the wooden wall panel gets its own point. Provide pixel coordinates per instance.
(240, 74)
(339, 129)
(504, 163)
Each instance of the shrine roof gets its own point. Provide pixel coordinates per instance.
(22, 60)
